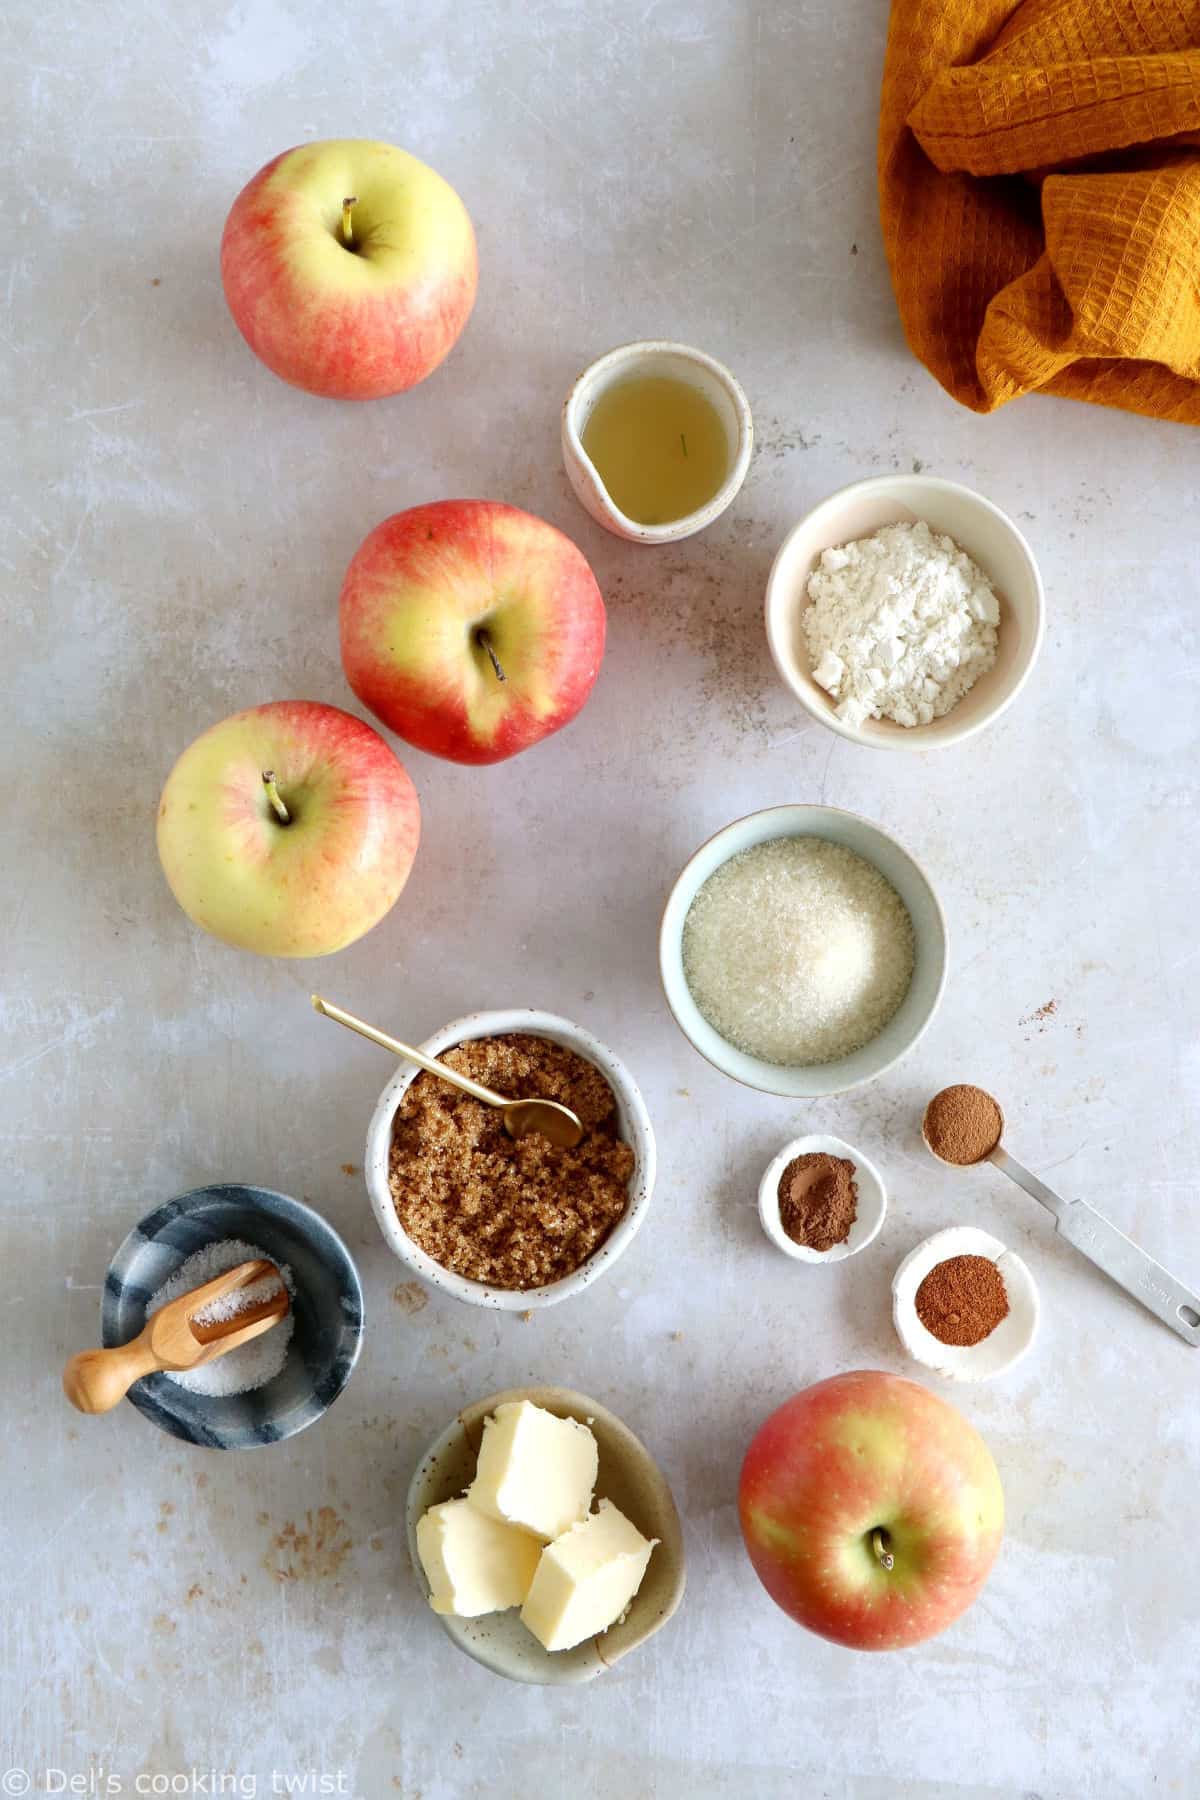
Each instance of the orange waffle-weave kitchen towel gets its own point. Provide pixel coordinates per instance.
(1039, 176)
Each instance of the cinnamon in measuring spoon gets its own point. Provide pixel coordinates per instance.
(962, 1124)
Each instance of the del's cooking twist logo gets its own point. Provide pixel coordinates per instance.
(98, 1780)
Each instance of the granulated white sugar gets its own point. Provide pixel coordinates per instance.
(798, 951)
(251, 1365)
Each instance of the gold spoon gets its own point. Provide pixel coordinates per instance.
(558, 1124)
(95, 1380)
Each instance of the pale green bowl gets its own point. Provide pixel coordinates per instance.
(811, 1081)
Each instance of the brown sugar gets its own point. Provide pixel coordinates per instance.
(962, 1124)
(818, 1199)
(962, 1300)
(511, 1213)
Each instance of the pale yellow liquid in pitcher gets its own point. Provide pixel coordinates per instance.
(658, 446)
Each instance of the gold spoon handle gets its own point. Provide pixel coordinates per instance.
(429, 1063)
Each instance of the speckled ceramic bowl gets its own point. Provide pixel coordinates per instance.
(628, 1476)
(327, 1305)
(635, 1129)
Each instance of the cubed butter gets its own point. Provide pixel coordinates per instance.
(586, 1579)
(473, 1564)
(535, 1470)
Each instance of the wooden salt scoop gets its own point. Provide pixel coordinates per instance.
(95, 1380)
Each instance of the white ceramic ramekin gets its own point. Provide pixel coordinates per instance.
(811, 1081)
(872, 1200)
(981, 529)
(634, 1126)
(655, 356)
(1003, 1347)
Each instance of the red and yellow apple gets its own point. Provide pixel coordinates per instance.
(871, 1509)
(349, 267)
(289, 829)
(471, 628)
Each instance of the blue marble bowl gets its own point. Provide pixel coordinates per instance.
(327, 1304)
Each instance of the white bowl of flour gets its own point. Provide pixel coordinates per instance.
(848, 639)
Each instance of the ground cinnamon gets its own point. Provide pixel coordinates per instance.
(818, 1199)
(962, 1300)
(963, 1124)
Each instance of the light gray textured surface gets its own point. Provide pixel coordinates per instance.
(174, 535)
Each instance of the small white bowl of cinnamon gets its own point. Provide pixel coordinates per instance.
(821, 1200)
(964, 1304)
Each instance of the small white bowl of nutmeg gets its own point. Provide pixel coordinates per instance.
(512, 1224)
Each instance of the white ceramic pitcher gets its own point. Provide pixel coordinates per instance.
(655, 356)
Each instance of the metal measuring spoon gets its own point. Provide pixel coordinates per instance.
(558, 1124)
(1121, 1259)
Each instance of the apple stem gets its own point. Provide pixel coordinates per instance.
(347, 229)
(274, 796)
(481, 637)
(879, 1546)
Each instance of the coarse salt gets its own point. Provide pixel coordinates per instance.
(899, 625)
(251, 1365)
(798, 951)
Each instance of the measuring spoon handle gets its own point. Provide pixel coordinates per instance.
(1130, 1267)
(1121, 1259)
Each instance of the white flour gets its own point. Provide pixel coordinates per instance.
(899, 625)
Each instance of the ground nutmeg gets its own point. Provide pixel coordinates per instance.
(962, 1300)
(818, 1199)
